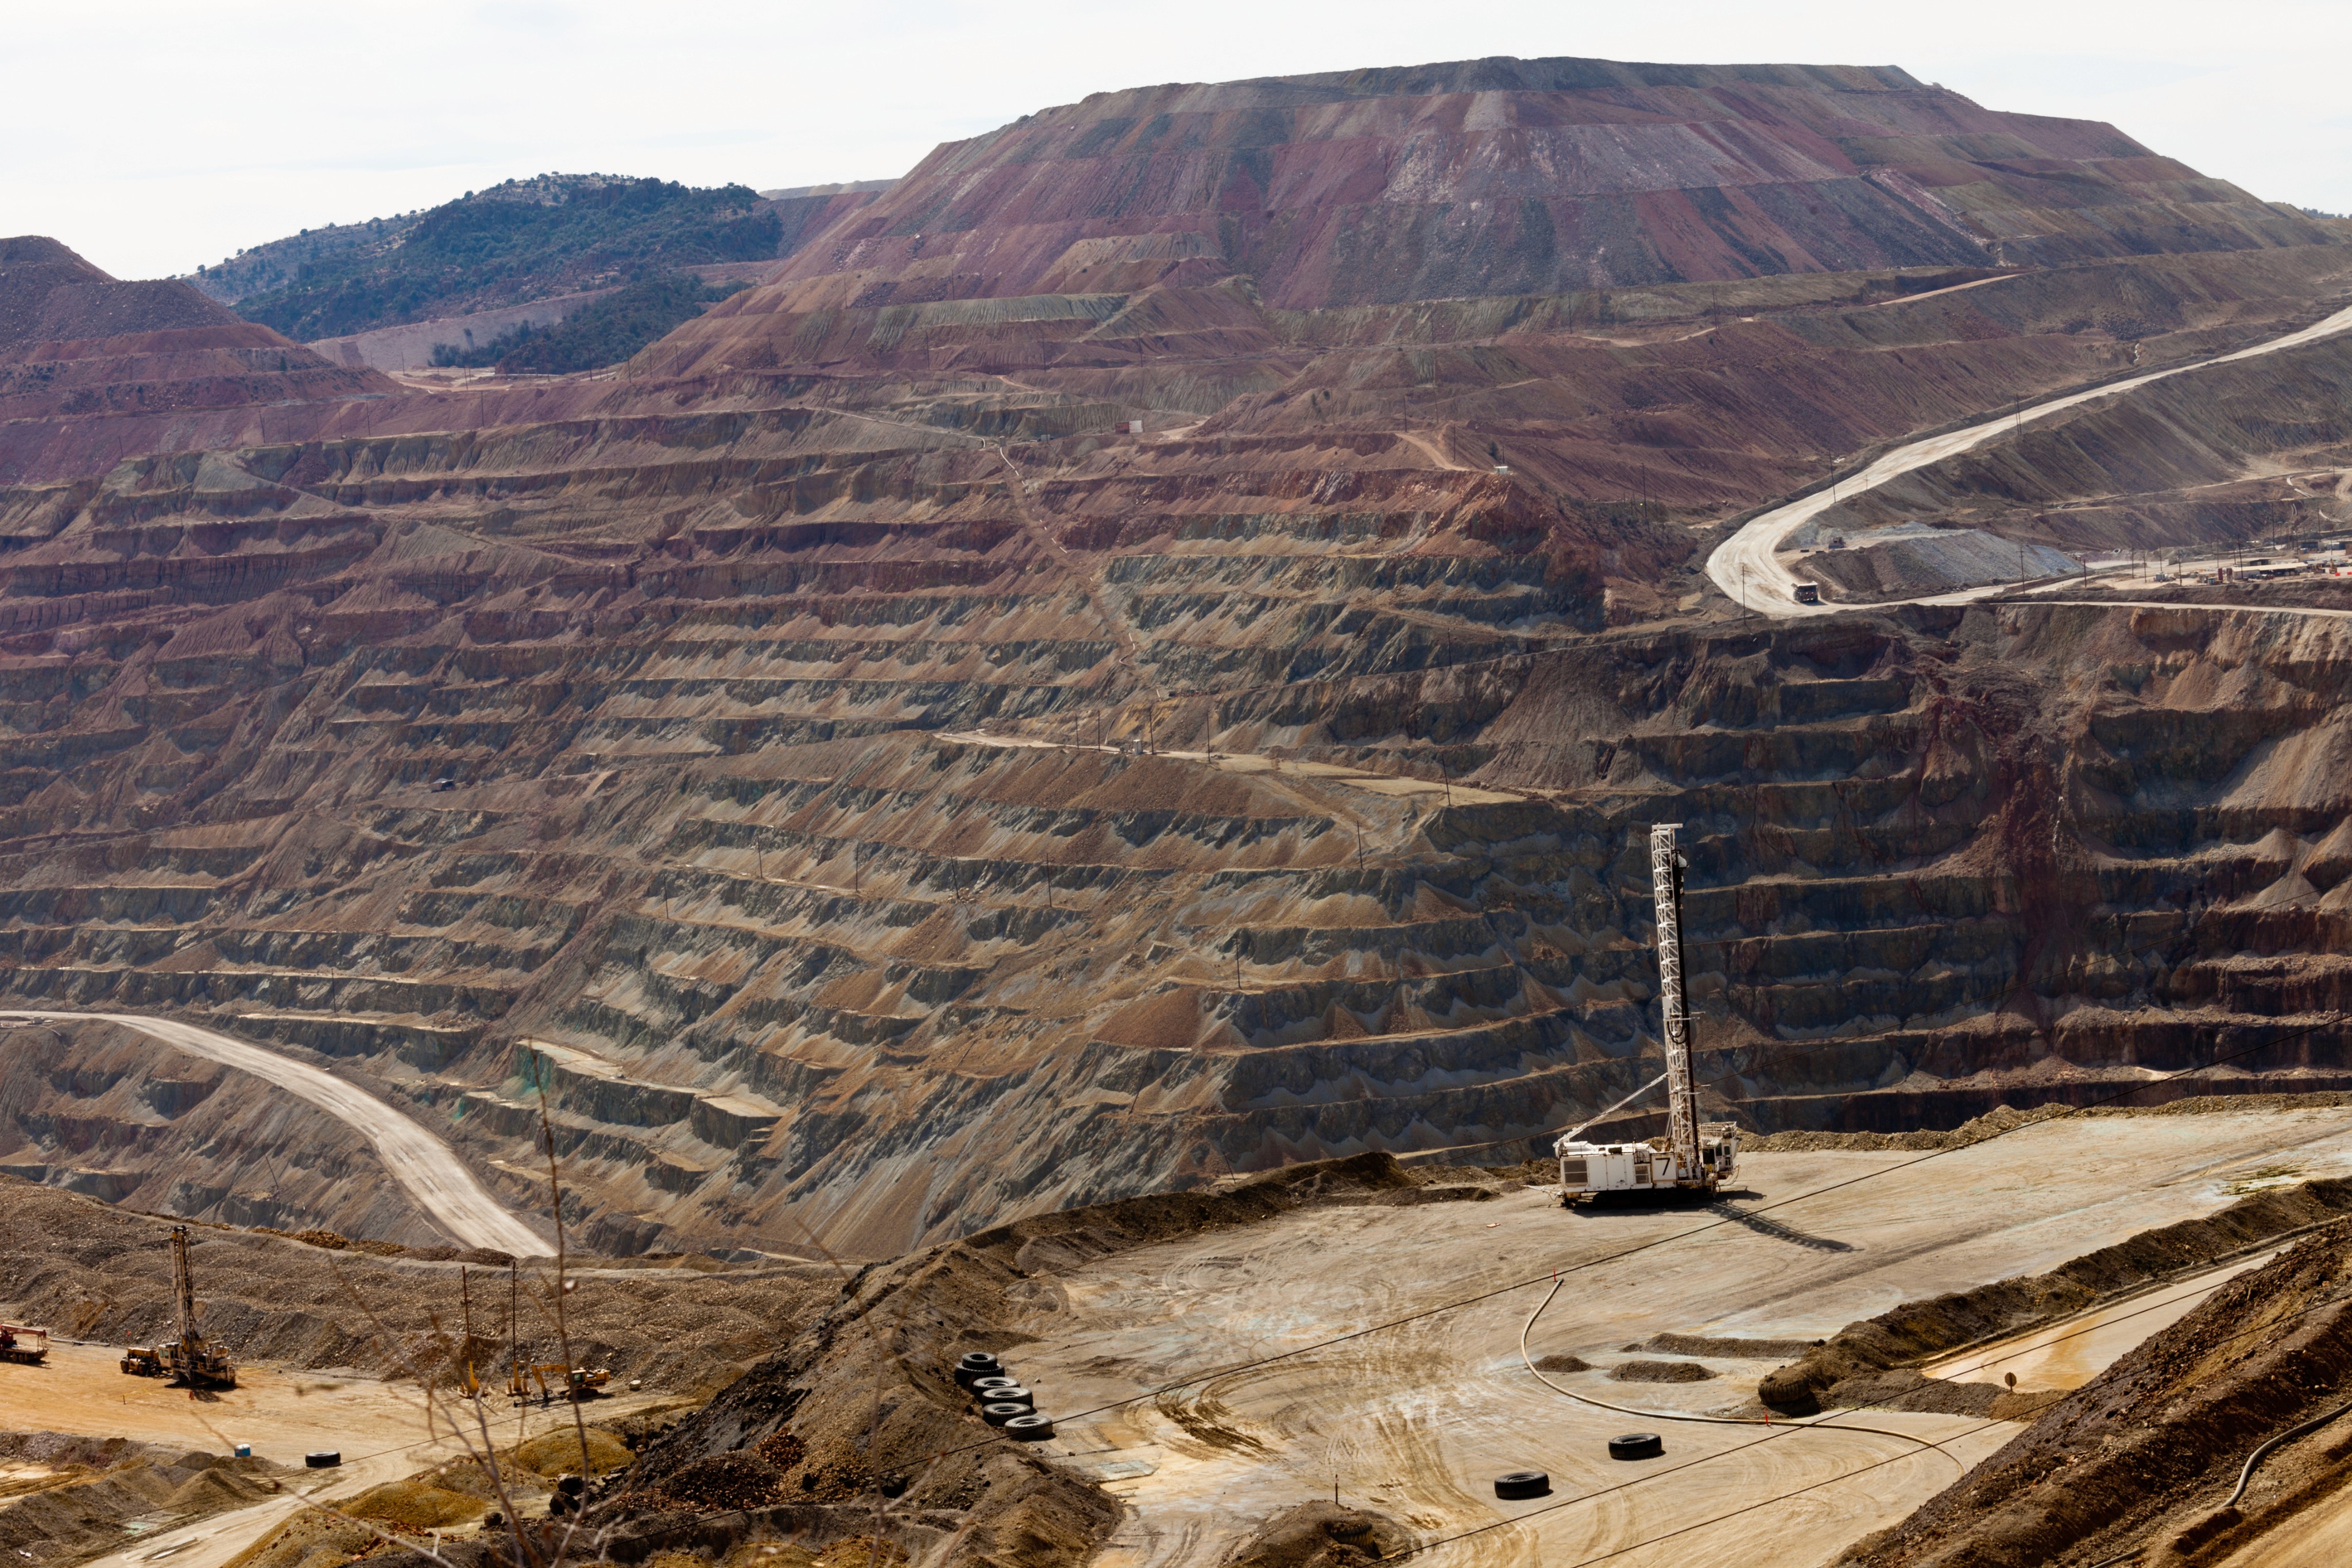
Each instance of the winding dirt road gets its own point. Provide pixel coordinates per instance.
(433, 1176)
(1748, 566)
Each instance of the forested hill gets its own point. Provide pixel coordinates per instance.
(522, 240)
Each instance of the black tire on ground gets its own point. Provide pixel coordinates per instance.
(323, 1458)
(1011, 1394)
(982, 1385)
(1523, 1483)
(979, 1364)
(1636, 1446)
(999, 1415)
(1029, 1428)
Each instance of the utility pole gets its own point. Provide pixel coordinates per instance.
(473, 1384)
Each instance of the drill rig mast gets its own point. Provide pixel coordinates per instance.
(191, 1359)
(1695, 1158)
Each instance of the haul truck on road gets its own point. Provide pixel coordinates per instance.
(25, 1346)
(1695, 1158)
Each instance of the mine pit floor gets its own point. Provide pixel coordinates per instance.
(1417, 1421)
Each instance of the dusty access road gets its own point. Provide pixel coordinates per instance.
(1417, 1420)
(425, 1165)
(1748, 566)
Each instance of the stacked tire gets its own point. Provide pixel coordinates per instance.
(1003, 1401)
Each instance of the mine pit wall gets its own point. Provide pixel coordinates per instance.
(706, 832)
(104, 1111)
(1256, 1077)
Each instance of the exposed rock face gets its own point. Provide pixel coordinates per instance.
(743, 757)
(105, 1112)
(99, 369)
(1507, 176)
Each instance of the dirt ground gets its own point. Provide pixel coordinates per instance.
(101, 1273)
(316, 1325)
(379, 1427)
(2144, 1460)
(1415, 1421)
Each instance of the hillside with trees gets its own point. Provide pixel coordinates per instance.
(523, 240)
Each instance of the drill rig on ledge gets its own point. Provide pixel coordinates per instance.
(1694, 1160)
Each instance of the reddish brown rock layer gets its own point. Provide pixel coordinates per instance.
(1507, 177)
(93, 371)
(610, 743)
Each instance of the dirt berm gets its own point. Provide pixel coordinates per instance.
(1867, 1363)
(861, 1416)
(64, 1498)
(2145, 1455)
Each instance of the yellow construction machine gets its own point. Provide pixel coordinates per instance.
(556, 1381)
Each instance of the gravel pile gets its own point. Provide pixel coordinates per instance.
(736, 1480)
(1660, 1372)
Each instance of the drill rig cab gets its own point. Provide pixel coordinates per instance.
(1690, 1159)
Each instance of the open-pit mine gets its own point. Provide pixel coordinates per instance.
(1070, 775)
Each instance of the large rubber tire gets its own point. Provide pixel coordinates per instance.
(982, 1385)
(1523, 1483)
(976, 1365)
(323, 1458)
(999, 1415)
(1636, 1446)
(1029, 1428)
(1014, 1394)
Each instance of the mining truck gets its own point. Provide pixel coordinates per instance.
(22, 1345)
(1690, 1159)
(191, 1359)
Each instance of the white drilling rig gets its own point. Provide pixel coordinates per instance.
(1692, 1158)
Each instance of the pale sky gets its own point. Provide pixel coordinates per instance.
(154, 136)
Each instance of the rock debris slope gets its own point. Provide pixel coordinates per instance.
(858, 791)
